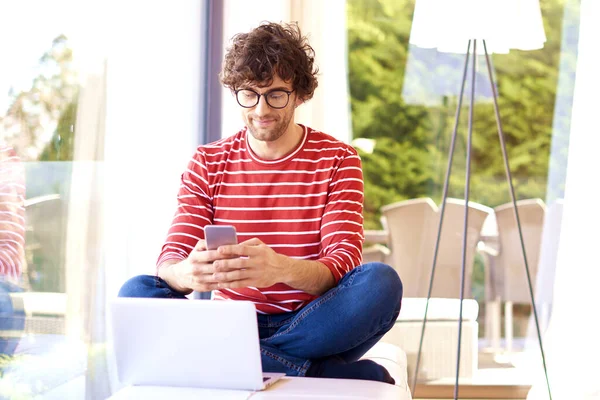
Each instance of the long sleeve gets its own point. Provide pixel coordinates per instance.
(12, 214)
(342, 225)
(194, 211)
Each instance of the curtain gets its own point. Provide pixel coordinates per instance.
(557, 168)
(571, 340)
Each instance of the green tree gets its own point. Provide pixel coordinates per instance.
(411, 141)
(48, 106)
(61, 146)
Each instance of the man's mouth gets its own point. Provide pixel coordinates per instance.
(263, 123)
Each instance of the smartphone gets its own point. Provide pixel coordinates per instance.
(219, 235)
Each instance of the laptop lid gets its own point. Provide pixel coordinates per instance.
(189, 343)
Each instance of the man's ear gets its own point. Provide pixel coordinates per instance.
(298, 102)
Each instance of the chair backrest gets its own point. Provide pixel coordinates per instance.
(45, 242)
(375, 253)
(409, 226)
(512, 277)
(413, 225)
(449, 261)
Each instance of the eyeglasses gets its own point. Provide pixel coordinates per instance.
(248, 98)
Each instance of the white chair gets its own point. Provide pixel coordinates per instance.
(45, 239)
(413, 227)
(506, 279)
(375, 253)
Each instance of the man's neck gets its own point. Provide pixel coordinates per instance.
(278, 148)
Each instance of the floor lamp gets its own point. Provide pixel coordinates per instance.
(451, 26)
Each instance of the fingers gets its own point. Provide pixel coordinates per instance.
(238, 274)
(231, 264)
(203, 269)
(252, 242)
(204, 278)
(201, 278)
(204, 256)
(235, 279)
(201, 255)
(226, 267)
(201, 245)
(244, 249)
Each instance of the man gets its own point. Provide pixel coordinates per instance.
(295, 196)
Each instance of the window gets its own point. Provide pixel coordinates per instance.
(403, 102)
(102, 134)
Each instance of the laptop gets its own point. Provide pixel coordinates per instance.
(188, 343)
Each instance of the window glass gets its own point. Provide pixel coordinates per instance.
(68, 240)
(404, 101)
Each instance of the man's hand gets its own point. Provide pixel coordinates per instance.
(194, 273)
(250, 263)
(260, 266)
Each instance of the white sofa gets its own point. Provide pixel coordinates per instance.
(438, 357)
(47, 345)
(388, 355)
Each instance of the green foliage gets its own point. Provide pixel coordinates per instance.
(410, 156)
(51, 101)
(62, 144)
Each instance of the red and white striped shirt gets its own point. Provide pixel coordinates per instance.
(12, 214)
(306, 205)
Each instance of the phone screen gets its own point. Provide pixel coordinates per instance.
(219, 235)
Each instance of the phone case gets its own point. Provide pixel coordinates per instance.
(219, 235)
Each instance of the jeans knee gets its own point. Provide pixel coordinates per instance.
(388, 284)
(138, 286)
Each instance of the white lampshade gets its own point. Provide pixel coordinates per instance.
(448, 25)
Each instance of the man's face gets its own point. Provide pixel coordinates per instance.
(264, 122)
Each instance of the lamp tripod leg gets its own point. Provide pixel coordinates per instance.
(441, 219)
(466, 217)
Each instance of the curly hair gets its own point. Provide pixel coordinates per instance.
(269, 49)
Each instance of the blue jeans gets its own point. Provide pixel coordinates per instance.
(12, 318)
(345, 321)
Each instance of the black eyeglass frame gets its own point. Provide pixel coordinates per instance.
(265, 95)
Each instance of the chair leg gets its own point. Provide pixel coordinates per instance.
(496, 324)
(508, 326)
(493, 327)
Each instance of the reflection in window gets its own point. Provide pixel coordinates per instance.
(38, 110)
(39, 125)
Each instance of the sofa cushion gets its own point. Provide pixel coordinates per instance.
(413, 309)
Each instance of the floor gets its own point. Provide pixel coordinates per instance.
(497, 378)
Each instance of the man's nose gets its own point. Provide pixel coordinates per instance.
(262, 108)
